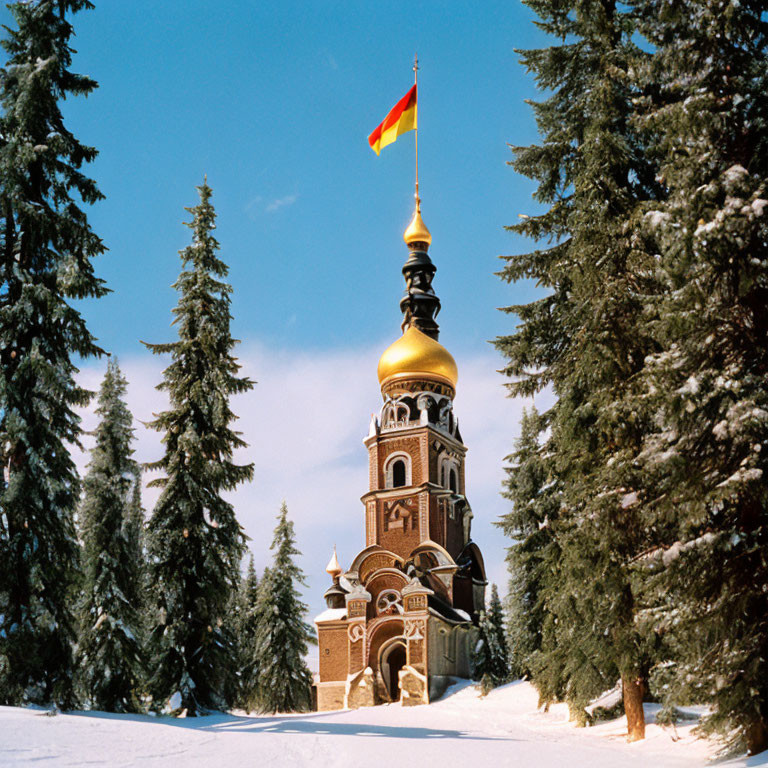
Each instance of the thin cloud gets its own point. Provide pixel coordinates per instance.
(305, 421)
(281, 202)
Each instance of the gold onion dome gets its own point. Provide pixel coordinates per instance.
(333, 568)
(417, 231)
(416, 355)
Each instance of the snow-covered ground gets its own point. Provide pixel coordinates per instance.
(502, 729)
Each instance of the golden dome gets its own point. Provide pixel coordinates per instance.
(333, 568)
(415, 354)
(417, 231)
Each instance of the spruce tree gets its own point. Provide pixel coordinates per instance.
(532, 558)
(707, 119)
(283, 680)
(496, 619)
(587, 337)
(110, 654)
(247, 624)
(490, 658)
(195, 541)
(134, 525)
(46, 247)
(135, 532)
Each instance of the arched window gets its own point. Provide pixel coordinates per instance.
(397, 470)
(449, 474)
(398, 474)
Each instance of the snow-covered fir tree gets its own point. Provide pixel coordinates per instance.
(194, 539)
(109, 644)
(586, 338)
(247, 623)
(46, 248)
(533, 558)
(490, 660)
(707, 119)
(134, 531)
(496, 619)
(283, 680)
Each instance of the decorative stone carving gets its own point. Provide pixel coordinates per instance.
(375, 562)
(416, 603)
(423, 402)
(356, 632)
(357, 601)
(395, 413)
(370, 528)
(389, 602)
(467, 523)
(360, 690)
(415, 629)
(444, 414)
(413, 687)
(398, 514)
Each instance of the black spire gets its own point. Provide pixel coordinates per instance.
(419, 304)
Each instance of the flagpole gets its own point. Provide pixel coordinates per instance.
(416, 132)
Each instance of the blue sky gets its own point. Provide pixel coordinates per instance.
(274, 101)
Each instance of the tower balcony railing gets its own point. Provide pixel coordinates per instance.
(400, 424)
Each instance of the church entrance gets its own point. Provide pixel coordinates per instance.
(393, 658)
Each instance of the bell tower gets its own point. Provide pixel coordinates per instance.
(416, 454)
(402, 619)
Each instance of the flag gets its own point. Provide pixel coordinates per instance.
(400, 120)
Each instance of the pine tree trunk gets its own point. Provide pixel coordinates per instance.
(577, 714)
(633, 689)
(757, 736)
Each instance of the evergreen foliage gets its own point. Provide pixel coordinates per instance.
(490, 658)
(134, 533)
(496, 619)
(653, 338)
(532, 560)
(283, 681)
(46, 247)
(706, 119)
(194, 539)
(109, 644)
(587, 338)
(247, 624)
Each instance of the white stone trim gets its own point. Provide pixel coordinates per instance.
(388, 465)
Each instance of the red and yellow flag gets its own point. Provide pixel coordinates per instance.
(400, 120)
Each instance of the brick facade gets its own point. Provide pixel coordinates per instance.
(401, 619)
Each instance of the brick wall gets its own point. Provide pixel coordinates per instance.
(332, 644)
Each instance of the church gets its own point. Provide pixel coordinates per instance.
(401, 620)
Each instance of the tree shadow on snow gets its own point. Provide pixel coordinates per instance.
(311, 723)
(315, 727)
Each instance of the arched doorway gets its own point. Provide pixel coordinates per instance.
(392, 660)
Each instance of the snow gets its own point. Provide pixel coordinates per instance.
(656, 218)
(629, 500)
(332, 614)
(175, 701)
(672, 553)
(608, 700)
(503, 729)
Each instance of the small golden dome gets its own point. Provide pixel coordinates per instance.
(333, 568)
(415, 354)
(417, 231)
